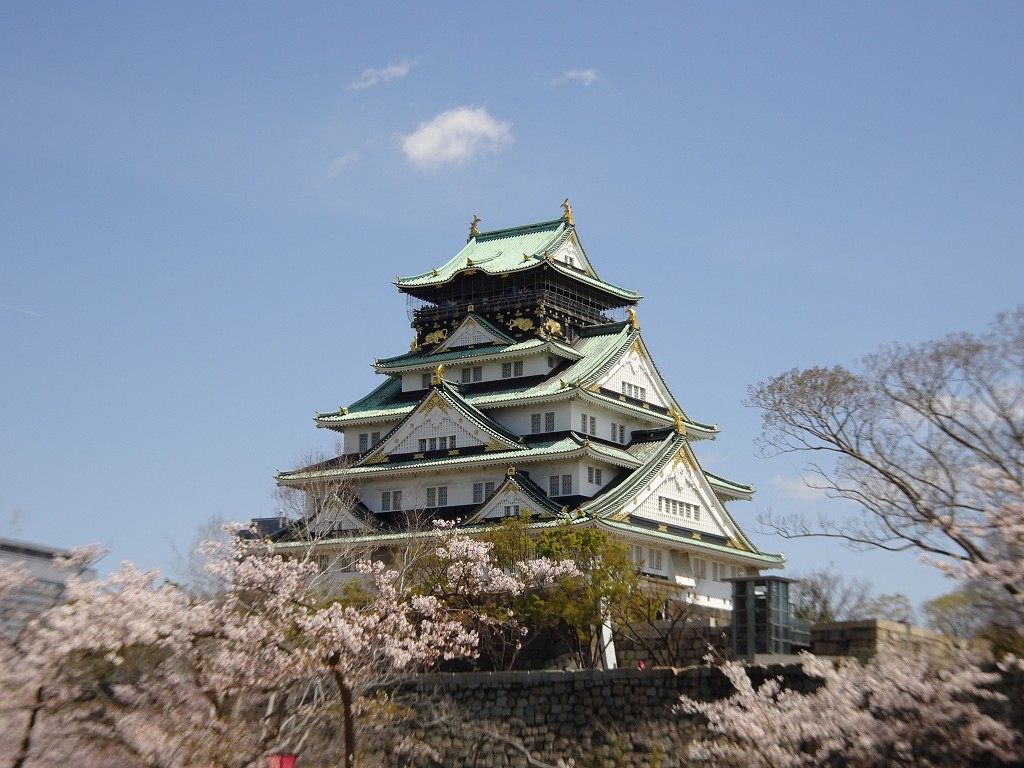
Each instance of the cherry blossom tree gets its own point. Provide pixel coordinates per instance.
(164, 677)
(895, 710)
(1000, 526)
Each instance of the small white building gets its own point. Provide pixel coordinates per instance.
(528, 388)
(48, 579)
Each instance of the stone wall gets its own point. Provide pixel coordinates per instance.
(861, 638)
(621, 718)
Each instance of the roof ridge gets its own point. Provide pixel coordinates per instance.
(522, 227)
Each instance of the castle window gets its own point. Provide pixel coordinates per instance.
(425, 381)
(478, 373)
(594, 475)
(437, 496)
(559, 486)
(534, 423)
(422, 444)
(700, 568)
(549, 421)
(588, 424)
(654, 562)
(443, 443)
(678, 508)
(632, 390)
(431, 443)
(390, 501)
(482, 492)
(511, 510)
(622, 433)
(508, 370)
(551, 361)
(654, 559)
(466, 375)
(367, 439)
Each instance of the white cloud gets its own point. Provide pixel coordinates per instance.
(795, 488)
(376, 75)
(340, 163)
(456, 136)
(585, 76)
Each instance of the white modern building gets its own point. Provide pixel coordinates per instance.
(48, 579)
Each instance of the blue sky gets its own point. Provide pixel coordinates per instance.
(204, 206)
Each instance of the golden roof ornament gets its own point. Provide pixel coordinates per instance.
(632, 318)
(568, 212)
(677, 417)
(438, 376)
(472, 225)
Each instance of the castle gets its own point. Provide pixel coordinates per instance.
(528, 389)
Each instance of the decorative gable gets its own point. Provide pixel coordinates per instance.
(680, 496)
(440, 423)
(635, 377)
(516, 496)
(571, 254)
(474, 331)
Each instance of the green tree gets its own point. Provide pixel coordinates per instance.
(956, 614)
(891, 607)
(575, 609)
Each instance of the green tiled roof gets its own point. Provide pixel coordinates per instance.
(729, 488)
(562, 447)
(593, 356)
(418, 359)
(753, 554)
(383, 538)
(506, 251)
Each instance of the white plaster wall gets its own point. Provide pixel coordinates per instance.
(675, 487)
(635, 370)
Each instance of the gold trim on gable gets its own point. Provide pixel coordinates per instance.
(682, 457)
(435, 401)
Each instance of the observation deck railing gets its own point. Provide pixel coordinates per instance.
(423, 312)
